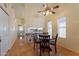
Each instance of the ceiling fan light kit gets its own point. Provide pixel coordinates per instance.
(48, 10)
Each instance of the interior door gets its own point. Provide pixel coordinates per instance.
(3, 32)
(1, 29)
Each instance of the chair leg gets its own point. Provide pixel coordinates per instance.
(49, 53)
(40, 51)
(55, 49)
(34, 45)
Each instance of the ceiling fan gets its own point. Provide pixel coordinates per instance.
(46, 9)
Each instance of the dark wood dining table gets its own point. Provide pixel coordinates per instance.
(40, 41)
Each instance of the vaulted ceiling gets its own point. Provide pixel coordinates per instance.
(19, 8)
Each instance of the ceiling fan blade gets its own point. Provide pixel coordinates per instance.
(56, 7)
(53, 12)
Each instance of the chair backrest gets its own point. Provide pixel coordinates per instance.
(44, 36)
(35, 36)
(56, 38)
(45, 33)
(45, 39)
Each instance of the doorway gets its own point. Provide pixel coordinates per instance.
(20, 31)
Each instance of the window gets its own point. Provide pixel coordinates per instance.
(62, 27)
(50, 28)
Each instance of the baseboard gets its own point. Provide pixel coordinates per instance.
(68, 49)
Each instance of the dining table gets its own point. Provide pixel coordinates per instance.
(39, 41)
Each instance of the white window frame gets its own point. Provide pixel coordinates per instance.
(61, 27)
(50, 28)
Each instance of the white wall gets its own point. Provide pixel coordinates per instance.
(71, 11)
(72, 40)
(12, 26)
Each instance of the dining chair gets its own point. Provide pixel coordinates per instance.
(36, 40)
(44, 44)
(54, 42)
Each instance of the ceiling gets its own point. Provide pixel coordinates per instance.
(19, 8)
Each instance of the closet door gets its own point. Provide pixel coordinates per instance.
(4, 32)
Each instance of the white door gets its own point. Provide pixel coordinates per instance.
(3, 32)
(50, 28)
(1, 29)
(6, 32)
